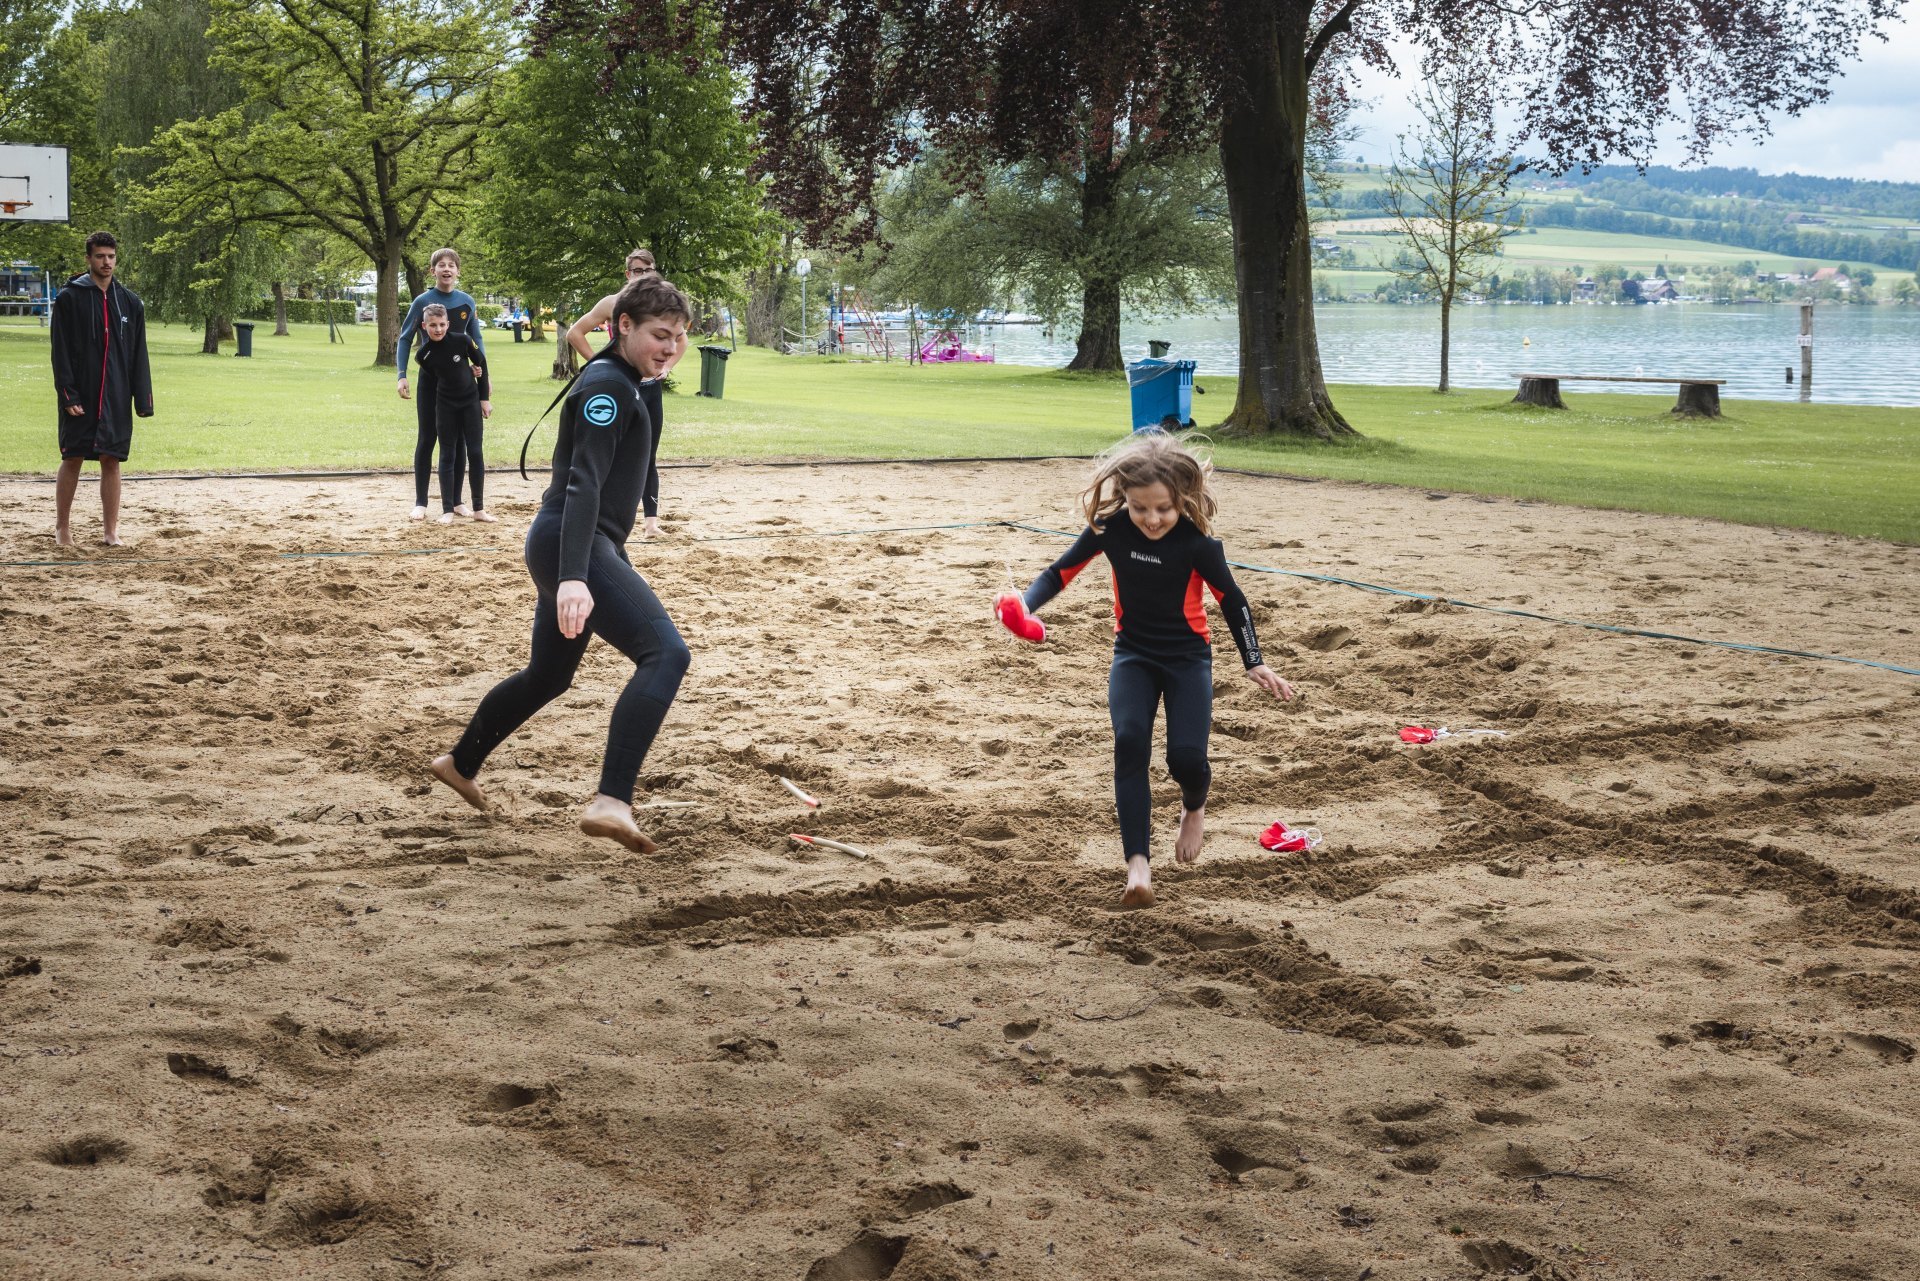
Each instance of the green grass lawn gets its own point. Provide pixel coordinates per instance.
(300, 405)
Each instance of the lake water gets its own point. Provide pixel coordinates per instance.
(1861, 355)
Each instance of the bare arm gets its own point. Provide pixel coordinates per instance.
(577, 335)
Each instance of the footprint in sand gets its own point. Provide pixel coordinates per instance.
(871, 1256)
(84, 1150)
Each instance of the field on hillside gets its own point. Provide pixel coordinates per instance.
(1570, 248)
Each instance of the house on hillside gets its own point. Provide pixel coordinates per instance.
(1657, 289)
(1587, 290)
(1833, 276)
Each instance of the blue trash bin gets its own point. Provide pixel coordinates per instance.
(1162, 389)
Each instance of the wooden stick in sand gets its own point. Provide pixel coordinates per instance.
(798, 791)
(823, 843)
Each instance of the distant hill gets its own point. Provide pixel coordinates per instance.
(1793, 215)
(1841, 195)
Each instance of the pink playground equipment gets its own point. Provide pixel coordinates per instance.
(945, 348)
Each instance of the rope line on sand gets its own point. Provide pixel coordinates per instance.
(364, 472)
(115, 561)
(1530, 614)
(1332, 579)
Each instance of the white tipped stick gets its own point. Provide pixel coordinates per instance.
(823, 843)
(800, 792)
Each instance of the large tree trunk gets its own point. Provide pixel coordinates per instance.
(416, 280)
(1263, 151)
(210, 336)
(279, 310)
(386, 304)
(1098, 347)
(563, 354)
(766, 293)
(223, 326)
(1099, 344)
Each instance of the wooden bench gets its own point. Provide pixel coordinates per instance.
(1699, 397)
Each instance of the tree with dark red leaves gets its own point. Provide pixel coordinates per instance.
(847, 89)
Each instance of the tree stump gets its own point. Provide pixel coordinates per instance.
(1698, 400)
(1544, 392)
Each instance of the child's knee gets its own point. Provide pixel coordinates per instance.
(1132, 746)
(1187, 762)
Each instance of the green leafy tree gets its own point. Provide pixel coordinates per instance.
(52, 67)
(208, 268)
(359, 118)
(1155, 238)
(585, 170)
(1447, 191)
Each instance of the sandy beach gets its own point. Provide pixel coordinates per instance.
(1632, 992)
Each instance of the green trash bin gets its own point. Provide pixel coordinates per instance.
(243, 332)
(1157, 348)
(713, 371)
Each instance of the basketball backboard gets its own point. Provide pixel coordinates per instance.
(33, 183)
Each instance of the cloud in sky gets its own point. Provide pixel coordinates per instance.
(1868, 128)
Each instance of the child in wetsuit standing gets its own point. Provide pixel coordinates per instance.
(1149, 512)
(462, 315)
(463, 396)
(584, 583)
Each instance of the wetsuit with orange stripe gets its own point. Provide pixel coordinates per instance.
(1162, 651)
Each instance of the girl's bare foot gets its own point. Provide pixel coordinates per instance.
(461, 509)
(418, 513)
(613, 819)
(63, 537)
(469, 790)
(1193, 823)
(446, 518)
(481, 513)
(1139, 891)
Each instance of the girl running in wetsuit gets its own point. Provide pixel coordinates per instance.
(1149, 512)
(576, 553)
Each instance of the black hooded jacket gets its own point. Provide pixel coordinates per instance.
(100, 364)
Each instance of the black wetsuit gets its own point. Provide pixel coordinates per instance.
(100, 365)
(462, 314)
(457, 368)
(1161, 650)
(650, 395)
(580, 534)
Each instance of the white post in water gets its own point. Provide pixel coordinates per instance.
(801, 269)
(1806, 351)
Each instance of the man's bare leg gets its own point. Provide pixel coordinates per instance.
(1193, 824)
(110, 501)
(613, 818)
(469, 790)
(1139, 882)
(65, 485)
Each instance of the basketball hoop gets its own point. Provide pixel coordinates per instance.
(33, 183)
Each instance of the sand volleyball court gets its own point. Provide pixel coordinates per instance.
(1633, 992)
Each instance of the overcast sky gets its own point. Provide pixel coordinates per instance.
(1869, 128)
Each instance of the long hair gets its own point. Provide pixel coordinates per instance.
(1151, 458)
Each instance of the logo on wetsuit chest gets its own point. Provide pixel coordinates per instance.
(600, 410)
(1151, 560)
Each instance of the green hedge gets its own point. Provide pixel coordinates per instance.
(306, 311)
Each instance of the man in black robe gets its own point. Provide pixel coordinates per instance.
(100, 372)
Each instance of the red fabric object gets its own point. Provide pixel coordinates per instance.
(1015, 618)
(1417, 734)
(1282, 839)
